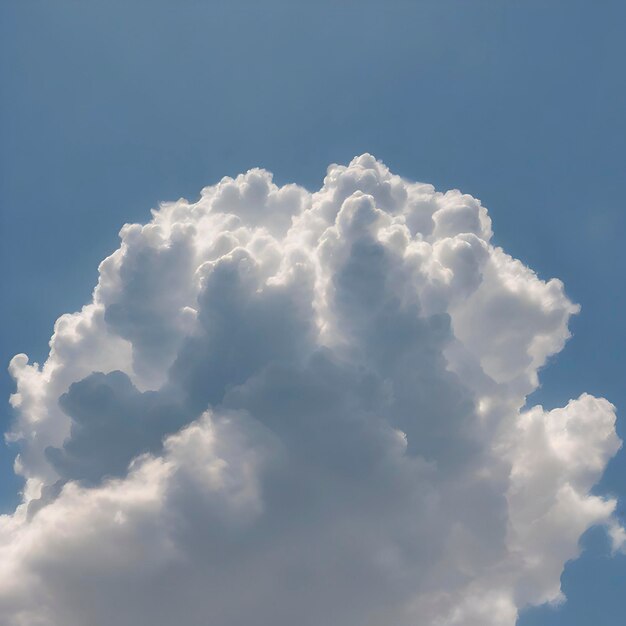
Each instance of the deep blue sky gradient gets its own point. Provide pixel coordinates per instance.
(108, 108)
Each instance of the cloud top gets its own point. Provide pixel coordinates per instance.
(283, 407)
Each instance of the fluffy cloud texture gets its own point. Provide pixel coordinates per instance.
(289, 408)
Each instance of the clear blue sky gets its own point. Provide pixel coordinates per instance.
(108, 108)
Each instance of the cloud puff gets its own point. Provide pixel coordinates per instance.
(291, 408)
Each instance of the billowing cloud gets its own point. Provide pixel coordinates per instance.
(291, 408)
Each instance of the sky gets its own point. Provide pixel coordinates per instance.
(106, 111)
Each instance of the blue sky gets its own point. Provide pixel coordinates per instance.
(109, 108)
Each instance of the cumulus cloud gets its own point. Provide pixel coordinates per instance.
(292, 408)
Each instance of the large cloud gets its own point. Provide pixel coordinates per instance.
(283, 408)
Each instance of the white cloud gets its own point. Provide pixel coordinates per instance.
(291, 408)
